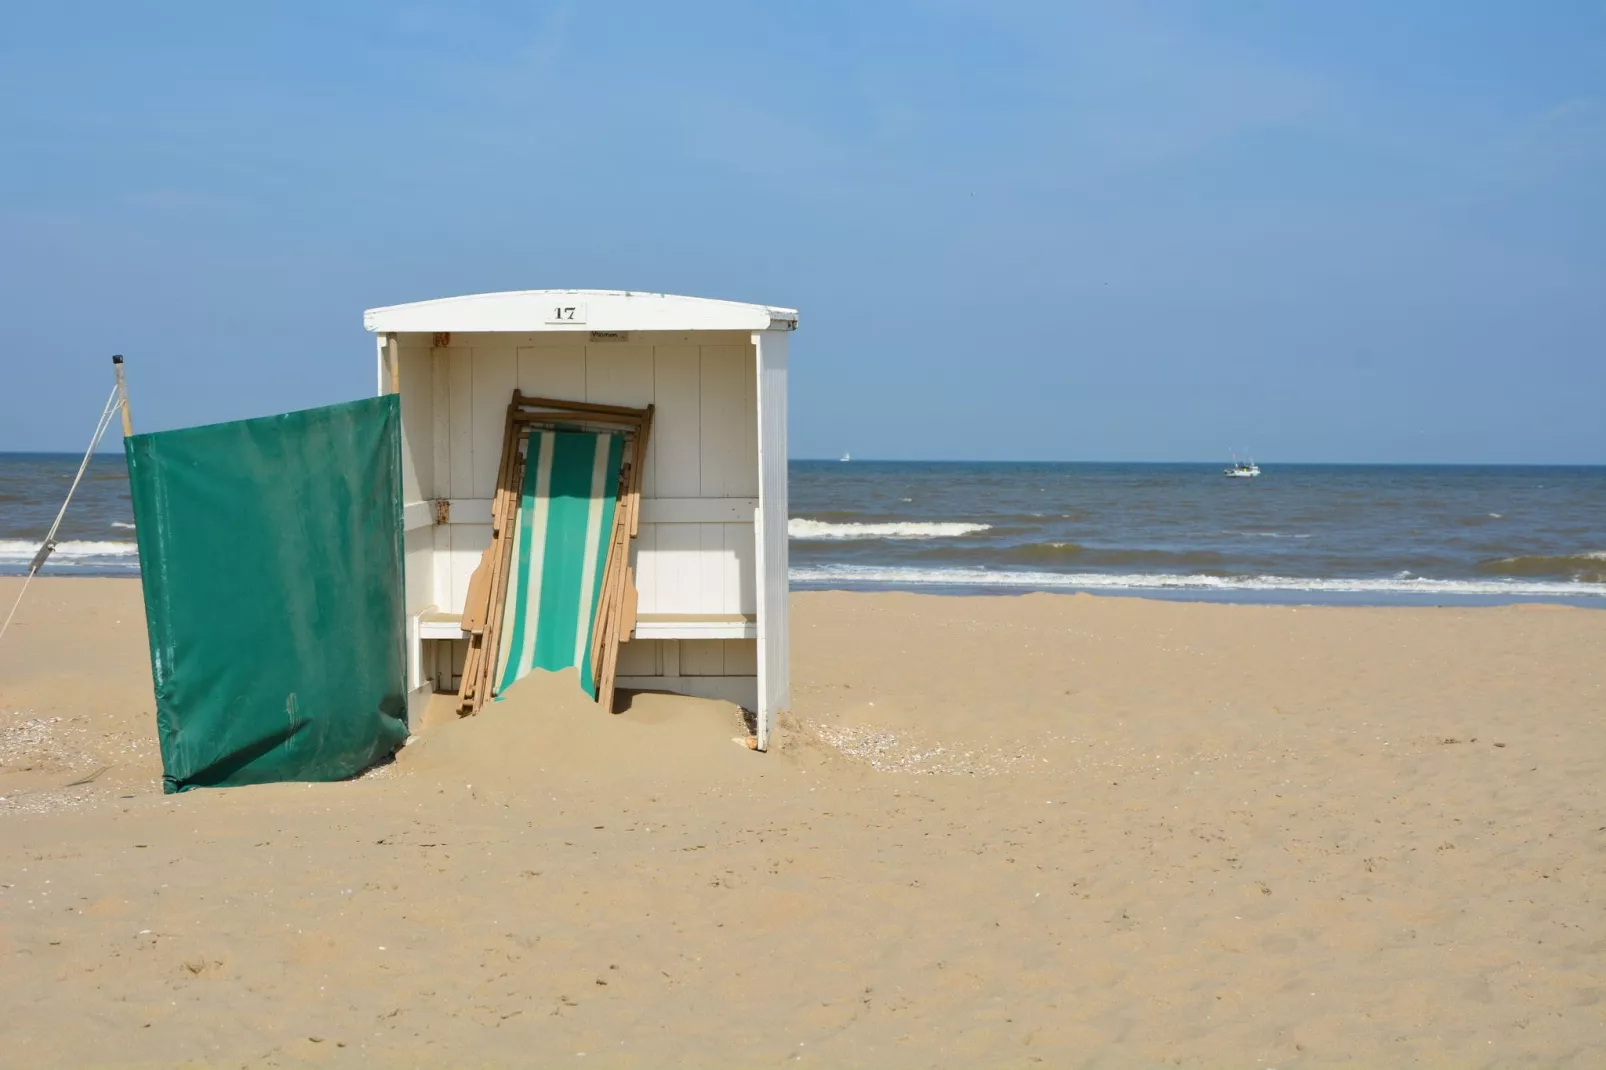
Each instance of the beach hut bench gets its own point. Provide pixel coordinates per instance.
(711, 558)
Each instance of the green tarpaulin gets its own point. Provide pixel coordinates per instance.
(271, 556)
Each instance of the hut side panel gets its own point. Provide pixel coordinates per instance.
(415, 374)
(774, 670)
(418, 428)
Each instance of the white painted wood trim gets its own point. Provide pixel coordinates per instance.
(415, 653)
(653, 511)
(774, 685)
(695, 629)
(593, 310)
(441, 629)
(417, 515)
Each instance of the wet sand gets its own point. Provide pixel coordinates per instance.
(1051, 829)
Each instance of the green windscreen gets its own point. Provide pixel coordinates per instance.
(271, 556)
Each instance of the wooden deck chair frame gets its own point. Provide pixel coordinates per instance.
(615, 617)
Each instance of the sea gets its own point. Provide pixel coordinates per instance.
(1298, 534)
(1348, 534)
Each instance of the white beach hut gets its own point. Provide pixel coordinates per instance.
(711, 557)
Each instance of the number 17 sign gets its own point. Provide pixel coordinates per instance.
(566, 314)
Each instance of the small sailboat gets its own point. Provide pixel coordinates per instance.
(846, 457)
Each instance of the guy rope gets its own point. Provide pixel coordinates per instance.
(117, 401)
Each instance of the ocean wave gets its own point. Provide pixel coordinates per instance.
(122, 524)
(799, 528)
(1069, 553)
(1587, 567)
(13, 551)
(873, 576)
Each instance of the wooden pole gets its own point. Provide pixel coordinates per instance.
(122, 395)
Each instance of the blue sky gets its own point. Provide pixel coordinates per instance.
(1125, 231)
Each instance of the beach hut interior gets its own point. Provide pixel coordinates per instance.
(708, 562)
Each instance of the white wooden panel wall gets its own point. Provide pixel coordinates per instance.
(674, 462)
(415, 373)
(418, 425)
(704, 445)
(728, 465)
(696, 568)
(459, 421)
(641, 657)
(494, 371)
(687, 666)
(466, 544)
(691, 657)
(418, 467)
(418, 569)
(553, 372)
(440, 396)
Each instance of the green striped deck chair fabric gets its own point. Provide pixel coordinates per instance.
(560, 550)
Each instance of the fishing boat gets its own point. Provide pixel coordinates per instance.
(1242, 469)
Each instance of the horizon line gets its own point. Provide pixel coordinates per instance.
(962, 460)
(1280, 464)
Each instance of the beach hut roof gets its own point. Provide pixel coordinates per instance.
(578, 310)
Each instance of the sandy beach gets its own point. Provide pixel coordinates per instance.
(1050, 829)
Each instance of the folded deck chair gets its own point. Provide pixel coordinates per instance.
(560, 551)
